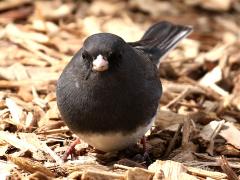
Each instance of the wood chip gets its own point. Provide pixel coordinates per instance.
(30, 166)
(206, 173)
(12, 4)
(170, 169)
(139, 173)
(32, 139)
(231, 134)
(15, 110)
(97, 174)
(209, 130)
(227, 169)
(16, 142)
(5, 169)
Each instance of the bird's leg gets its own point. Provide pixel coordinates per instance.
(70, 149)
(143, 142)
(146, 156)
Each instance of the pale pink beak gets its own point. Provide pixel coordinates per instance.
(100, 64)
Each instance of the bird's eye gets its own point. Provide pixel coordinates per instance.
(85, 55)
(114, 56)
(119, 56)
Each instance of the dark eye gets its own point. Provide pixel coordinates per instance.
(119, 56)
(85, 55)
(115, 56)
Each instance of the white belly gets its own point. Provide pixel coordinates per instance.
(114, 141)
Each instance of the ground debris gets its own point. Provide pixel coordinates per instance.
(196, 130)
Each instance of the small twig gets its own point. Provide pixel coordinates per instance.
(186, 132)
(54, 131)
(214, 134)
(222, 161)
(178, 98)
(173, 141)
(120, 166)
(206, 173)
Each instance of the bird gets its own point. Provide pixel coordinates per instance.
(109, 92)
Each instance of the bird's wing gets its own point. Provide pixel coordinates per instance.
(160, 38)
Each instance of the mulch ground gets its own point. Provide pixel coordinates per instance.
(197, 129)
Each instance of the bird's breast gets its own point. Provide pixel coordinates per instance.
(115, 140)
(106, 104)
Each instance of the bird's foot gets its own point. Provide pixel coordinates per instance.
(146, 155)
(143, 142)
(70, 149)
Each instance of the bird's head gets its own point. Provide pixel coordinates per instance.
(103, 51)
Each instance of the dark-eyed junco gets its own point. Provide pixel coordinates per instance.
(109, 92)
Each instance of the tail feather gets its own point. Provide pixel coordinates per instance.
(160, 38)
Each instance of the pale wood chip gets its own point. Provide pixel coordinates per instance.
(16, 142)
(4, 112)
(75, 175)
(191, 48)
(29, 120)
(54, 10)
(16, 84)
(3, 149)
(211, 4)
(216, 53)
(27, 106)
(106, 7)
(170, 169)
(216, 131)
(98, 174)
(6, 73)
(211, 78)
(117, 26)
(206, 173)
(53, 112)
(12, 4)
(19, 71)
(42, 74)
(184, 176)
(228, 150)
(87, 164)
(25, 93)
(209, 130)
(45, 26)
(91, 25)
(12, 31)
(32, 139)
(139, 173)
(34, 47)
(216, 5)
(30, 165)
(50, 97)
(15, 110)
(5, 169)
(37, 100)
(38, 176)
(155, 8)
(231, 134)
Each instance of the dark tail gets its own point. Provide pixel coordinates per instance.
(160, 39)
